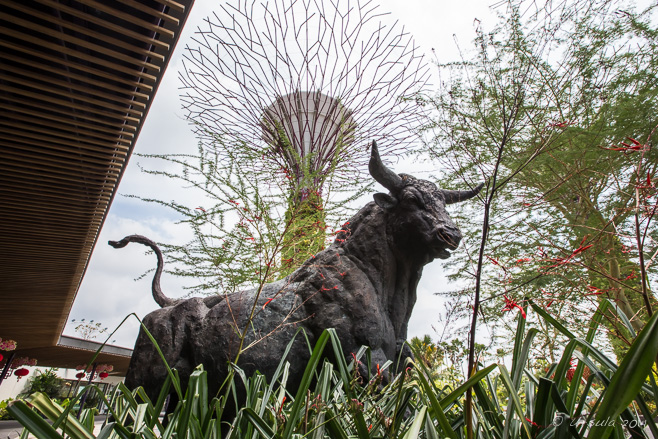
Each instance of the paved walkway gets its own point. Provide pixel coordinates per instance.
(12, 429)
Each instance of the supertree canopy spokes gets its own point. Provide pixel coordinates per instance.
(259, 66)
(304, 86)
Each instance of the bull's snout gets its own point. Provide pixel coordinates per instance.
(451, 236)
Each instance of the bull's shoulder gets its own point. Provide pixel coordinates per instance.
(333, 275)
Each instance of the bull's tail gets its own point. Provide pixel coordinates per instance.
(158, 295)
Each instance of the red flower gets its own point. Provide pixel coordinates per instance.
(511, 304)
(567, 260)
(580, 249)
(570, 374)
(492, 260)
(626, 148)
(572, 369)
(21, 372)
(80, 375)
(268, 301)
(562, 124)
(594, 291)
(103, 375)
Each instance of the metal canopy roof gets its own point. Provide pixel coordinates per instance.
(77, 79)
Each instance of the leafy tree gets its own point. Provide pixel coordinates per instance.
(574, 220)
(424, 350)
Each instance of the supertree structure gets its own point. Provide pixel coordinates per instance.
(306, 85)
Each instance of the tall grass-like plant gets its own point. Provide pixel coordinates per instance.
(334, 401)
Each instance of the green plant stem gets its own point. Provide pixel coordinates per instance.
(640, 243)
(243, 335)
(468, 413)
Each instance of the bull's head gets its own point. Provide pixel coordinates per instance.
(418, 206)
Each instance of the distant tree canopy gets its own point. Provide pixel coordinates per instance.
(572, 93)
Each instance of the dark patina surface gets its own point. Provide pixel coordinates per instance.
(363, 285)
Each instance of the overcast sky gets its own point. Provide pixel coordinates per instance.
(109, 291)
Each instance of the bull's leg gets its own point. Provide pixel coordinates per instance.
(170, 327)
(147, 369)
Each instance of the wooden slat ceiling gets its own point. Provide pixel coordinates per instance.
(77, 78)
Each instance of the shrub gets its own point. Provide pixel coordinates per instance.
(4, 414)
(46, 382)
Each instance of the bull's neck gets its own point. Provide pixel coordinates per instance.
(392, 272)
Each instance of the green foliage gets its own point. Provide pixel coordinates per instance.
(46, 382)
(443, 360)
(4, 414)
(256, 224)
(563, 102)
(306, 233)
(583, 395)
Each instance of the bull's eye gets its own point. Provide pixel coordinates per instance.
(413, 199)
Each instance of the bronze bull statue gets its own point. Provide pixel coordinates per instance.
(363, 285)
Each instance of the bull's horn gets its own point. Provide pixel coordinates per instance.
(384, 176)
(457, 196)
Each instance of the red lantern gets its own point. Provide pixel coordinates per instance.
(1, 357)
(80, 375)
(21, 372)
(103, 375)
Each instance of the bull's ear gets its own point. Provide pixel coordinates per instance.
(385, 201)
